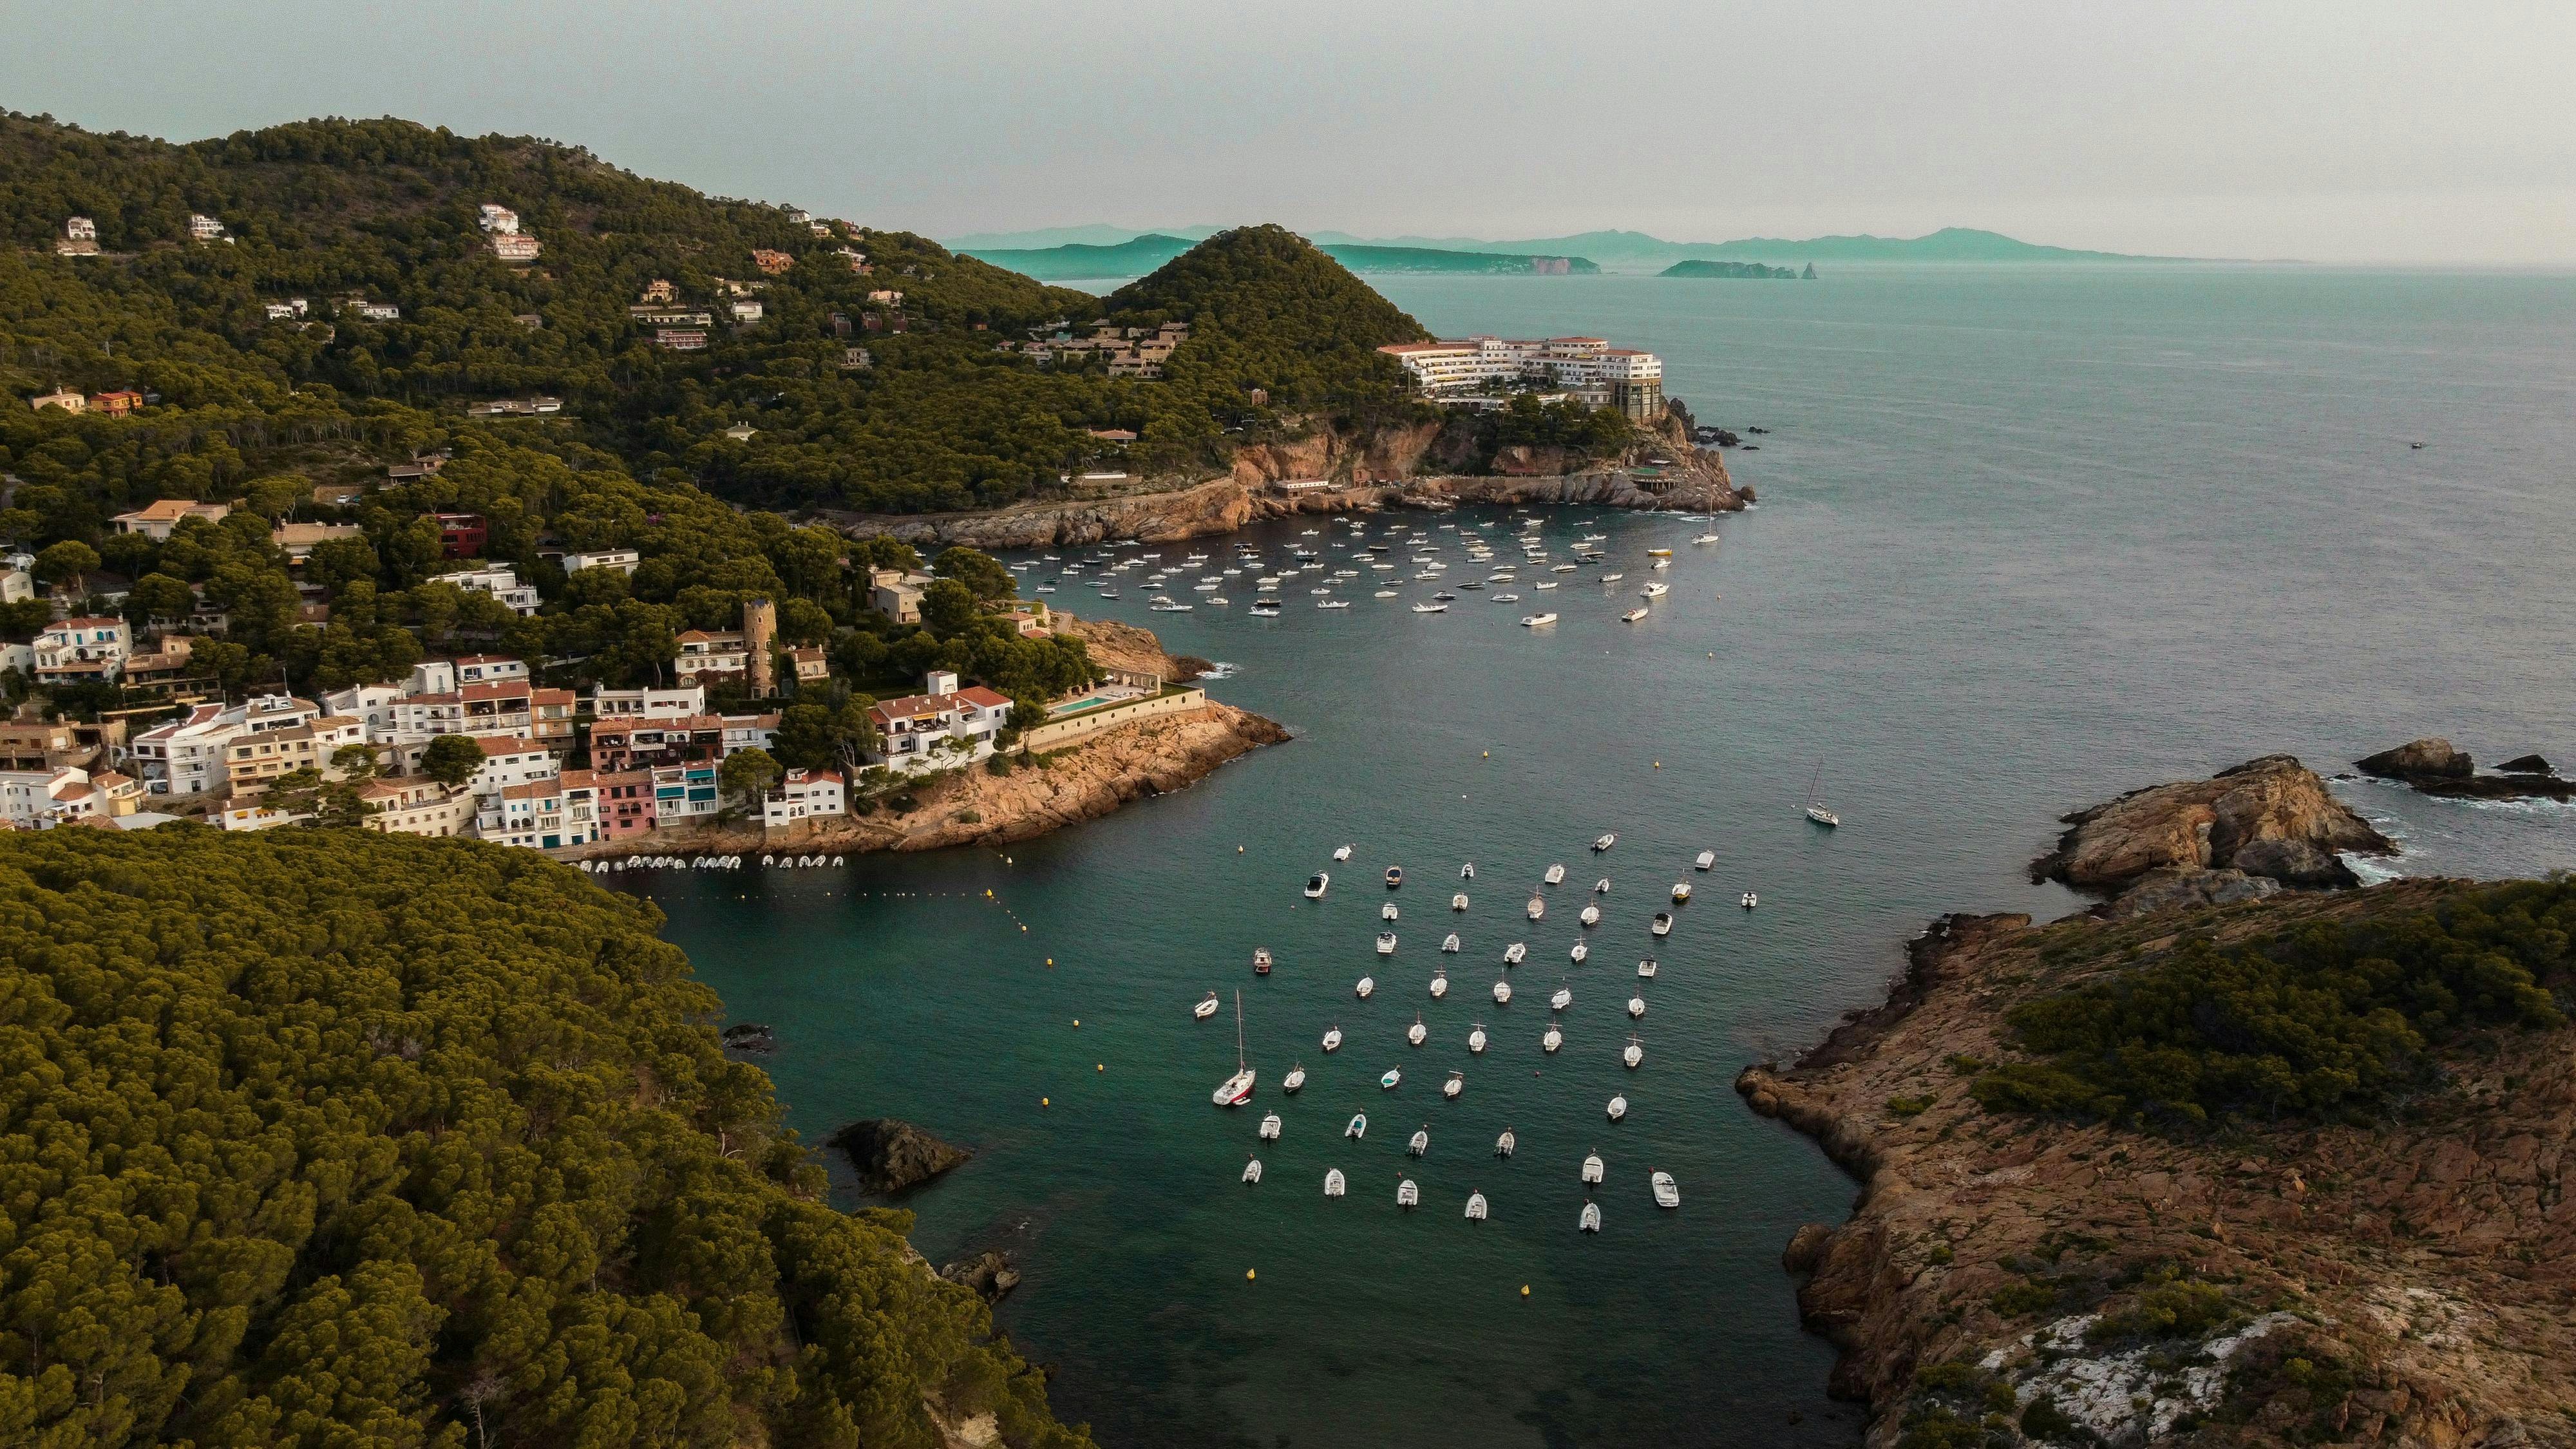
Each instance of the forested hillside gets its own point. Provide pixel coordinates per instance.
(933, 414)
(329, 1137)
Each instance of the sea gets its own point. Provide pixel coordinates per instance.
(2028, 537)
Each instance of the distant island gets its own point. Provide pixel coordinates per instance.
(1628, 251)
(1139, 255)
(1749, 271)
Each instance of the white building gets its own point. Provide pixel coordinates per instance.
(617, 704)
(939, 730)
(804, 795)
(80, 228)
(198, 754)
(203, 227)
(41, 799)
(499, 219)
(162, 518)
(1634, 381)
(516, 247)
(500, 581)
(85, 650)
(624, 560)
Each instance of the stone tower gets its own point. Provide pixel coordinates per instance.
(759, 628)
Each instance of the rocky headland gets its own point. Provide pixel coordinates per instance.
(2400, 1271)
(894, 1156)
(2432, 766)
(2266, 825)
(1392, 468)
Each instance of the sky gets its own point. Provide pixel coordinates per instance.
(2330, 130)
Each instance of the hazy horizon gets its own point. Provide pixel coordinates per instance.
(2169, 127)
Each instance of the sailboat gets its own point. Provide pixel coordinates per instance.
(1476, 1040)
(1635, 1053)
(1451, 1088)
(1236, 1090)
(1816, 810)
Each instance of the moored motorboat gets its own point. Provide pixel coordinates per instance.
(1342, 853)
(1333, 1038)
(1663, 923)
(1555, 875)
(1358, 1127)
(1475, 1207)
(1590, 1221)
(1270, 1128)
(1504, 1145)
(1636, 1007)
(1407, 1195)
(1646, 969)
(1296, 1078)
(1535, 621)
(1386, 943)
(1654, 591)
(1502, 993)
(1451, 1088)
(1476, 1039)
(1458, 902)
(1601, 887)
(1633, 615)
(1252, 1170)
(1449, 945)
(1416, 1032)
(1706, 859)
(1367, 985)
(1205, 1009)
(1394, 876)
(1467, 871)
(1394, 1078)
(1420, 1144)
(1751, 900)
(1563, 998)
(1618, 1108)
(1333, 1182)
(1439, 984)
(1515, 953)
(1666, 1194)
(1388, 912)
(1317, 884)
(1607, 840)
(1592, 1170)
(1260, 960)
(1582, 951)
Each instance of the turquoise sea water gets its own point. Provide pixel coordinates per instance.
(2029, 537)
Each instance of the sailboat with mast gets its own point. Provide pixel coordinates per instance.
(1236, 1090)
(1816, 810)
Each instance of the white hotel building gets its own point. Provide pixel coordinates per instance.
(1589, 367)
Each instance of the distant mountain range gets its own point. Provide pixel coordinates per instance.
(1101, 245)
(1135, 256)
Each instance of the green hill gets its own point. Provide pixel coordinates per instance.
(326, 1137)
(1754, 271)
(1139, 255)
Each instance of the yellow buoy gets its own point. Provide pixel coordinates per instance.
(1045, 1102)
(1238, 850)
(1247, 1275)
(1489, 754)
(1100, 1066)
(1524, 1290)
(1659, 764)
(1077, 1021)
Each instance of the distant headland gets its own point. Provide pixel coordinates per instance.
(1138, 255)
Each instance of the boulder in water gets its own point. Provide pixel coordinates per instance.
(2205, 825)
(894, 1156)
(989, 1273)
(2425, 759)
(750, 1036)
(2295, 863)
(2526, 765)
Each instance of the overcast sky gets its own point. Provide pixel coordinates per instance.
(2340, 130)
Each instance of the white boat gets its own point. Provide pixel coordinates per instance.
(1333, 1038)
(1252, 1170)
(1431, 608)
(1420, 1144)
(1387, 912)
(1659, 553)
(1601, 887)
(1394, 1078)
(1265, 611)
(1563, 998)
(1270, 1128)
(1635, 1053)
(1663, 923)
(1358, 1127)
(1705, 538)
(1555, 875)
(1458, 902)
(1538, 620)
(1367, 985)
(1504, 1145)
(1386, 943)
(1555, 1037)
(1537, 908)
(1296, 1078)
(1646, 969)
(1604, 842)
(1618, 1108)
(1515, 953)
(1502, 993)
(1475, 1207)
(1236, 1090)
(1816, 810)
(1334, 604)
(1632, 616)
(1636, 1007)
(1317, 884)
(1751, 900)
(1564, 568)
(1333, 1182)
(1591, 916)
(1386, 594)
(1394, 876)
(1416, 1032)
(1342, 853)
(1451, 1088)
(1612, 578)
(1476, 1039)
(1407, 1195)
(1582, 952)
(1590, 1221)
(1466, 872)
(1681, 891)
(1507, 598)
(1547, 584)
(1654, 591)
(1205, 1009)
(1262, 960)
(1666, 1194)
(1439, 984)
(1166, 606)
(1592, 1170)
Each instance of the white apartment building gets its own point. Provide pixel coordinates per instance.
(804, 795)
(499, 219)
(76, 651)
(196, 754)
(38, 799)
(501, 582)
(617, 704)
(1633, 380)
(624, 560)
(939, 730)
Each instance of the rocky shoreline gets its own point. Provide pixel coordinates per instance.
(2402, 1280)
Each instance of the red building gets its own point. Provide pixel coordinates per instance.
(462, 535)
(115, 404)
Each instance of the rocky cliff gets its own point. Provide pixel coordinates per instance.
(2244, 833)
(2403, 1278)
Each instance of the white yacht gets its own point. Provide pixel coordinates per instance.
(1236, 1090)
(1407, 1195)
(1504, 1144)
(1475, 1207)
(1431, 608)
(1604, 842)
(1439, 984)
(1681, 891)
(1458, 902)
(1545, 584)
(1705, 538)
(1590, 1221)
(1334, 604)
(1451, 1088)
(1555, 875)
(1592, 1170)
(1581, 952)
(1333, 1182)
(1636, 1007)
(1654, 591)
(1618, 1108)
(1476, 1039)
(1467, 872)
(1342, 853)
(1416, 1032)
(1420, 1144)
(1646, 969)
(1706, 859)
(1635, 1053)
(1563, 998)
(1386, 943)
(1205, 1009)
(1515, 953)
(1663, 923)
(1296, 1078)
(1387, 912)
(1449, 944)
(1333, 1038)
(1507, 598)
(1252, 1170)
(1751, 900)
(1601, 887)
(1537, 908)
(1502, 993)
(1612, 578)
(1591, 916)
(1358, 1127)
(1538, 621)
(1555, 1038)
(1270, 1128)
(1367, 985)
(1666, 1194)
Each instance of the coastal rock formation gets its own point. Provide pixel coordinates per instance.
(2271, 818)
(894, 1156)
(750, 1036)
(2399, 1280)
(1113, 645)
(2433, 767)
(989, 1273)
